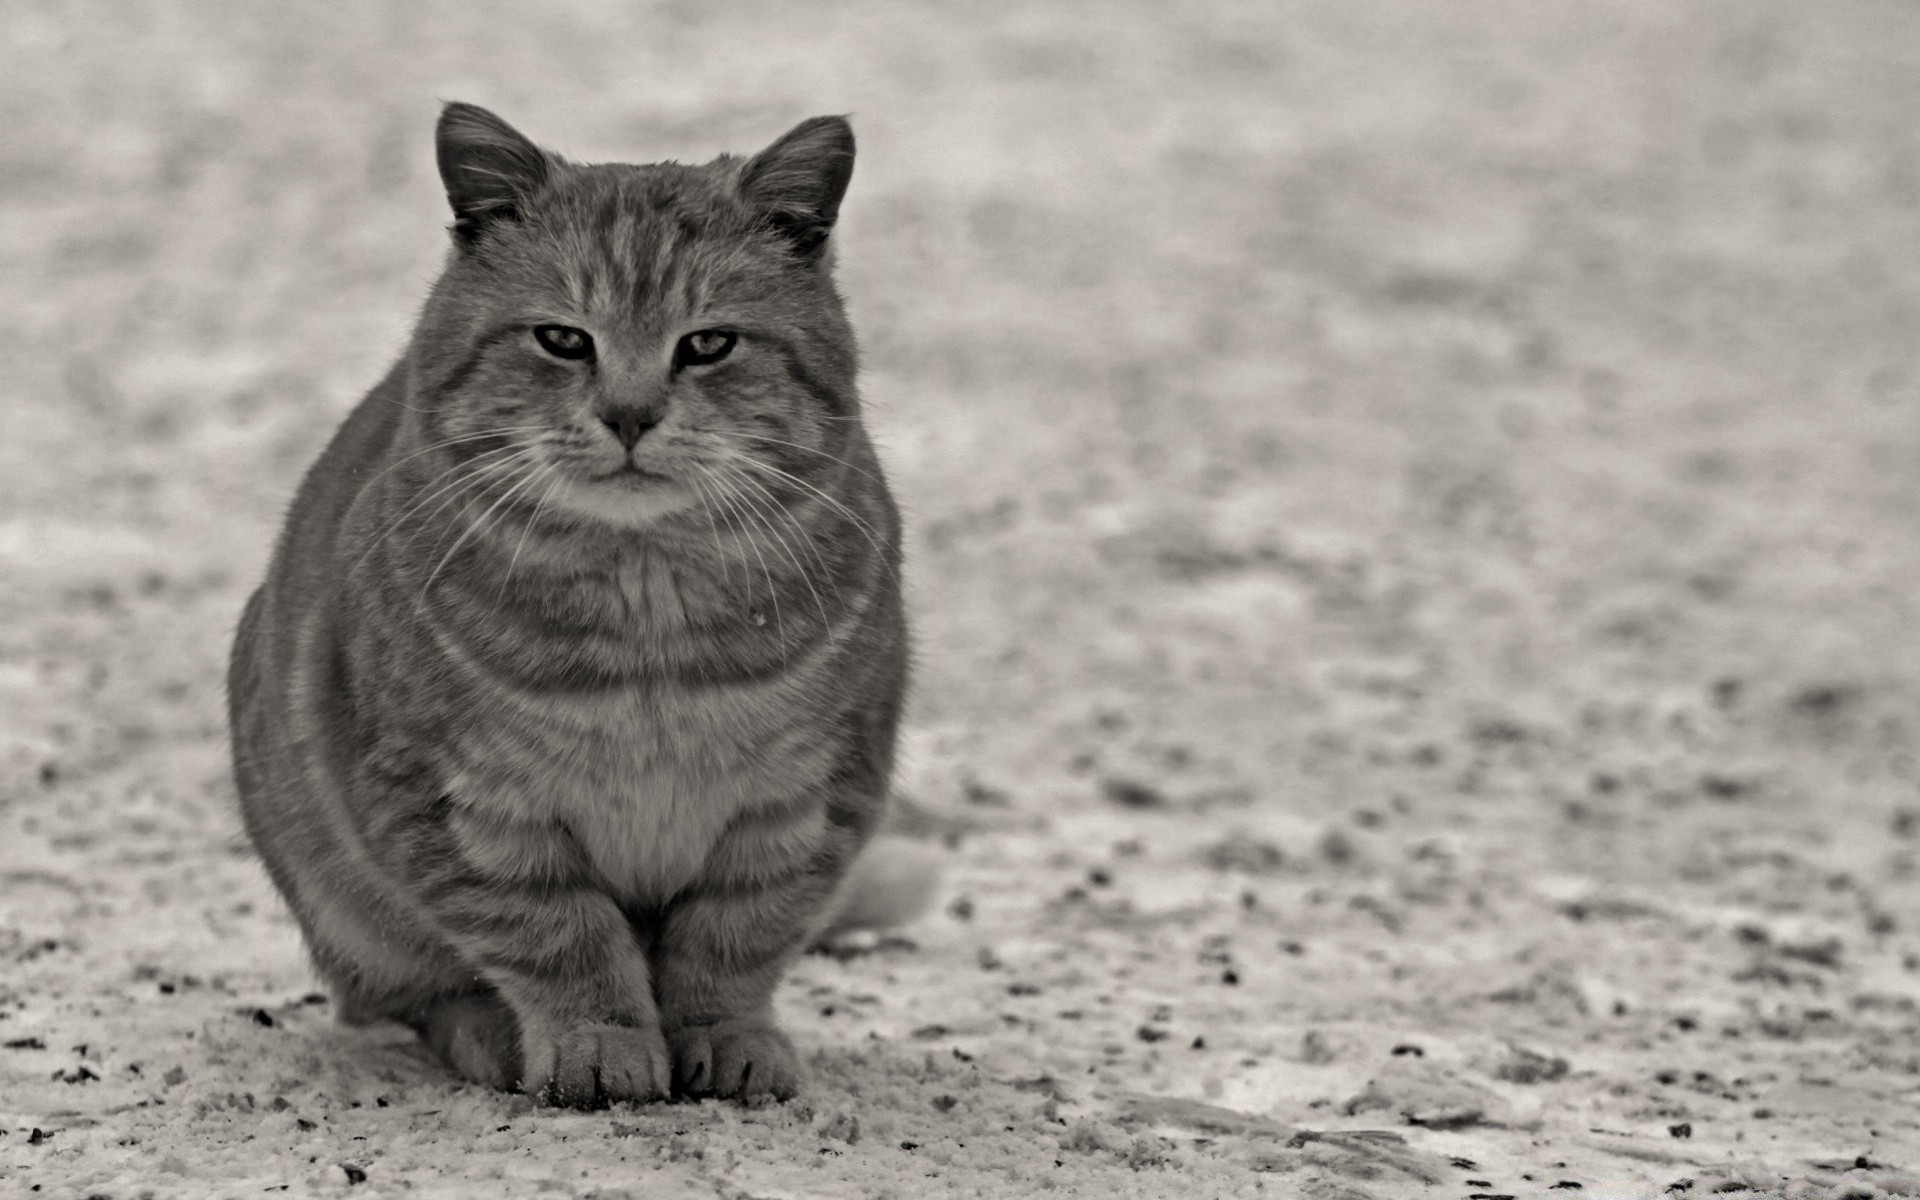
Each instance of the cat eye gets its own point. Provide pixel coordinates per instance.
(564, 341)
(703, 346)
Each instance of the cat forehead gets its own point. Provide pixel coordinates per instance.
(605, 197)
(636, 242)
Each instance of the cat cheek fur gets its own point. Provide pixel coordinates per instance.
(561, 770)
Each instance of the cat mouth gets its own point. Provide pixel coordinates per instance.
(631, 475)
(627, 497)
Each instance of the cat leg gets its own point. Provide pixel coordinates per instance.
(717, 959)
(418, 982)
(589, 1033)
(511, 898)
(379, 961)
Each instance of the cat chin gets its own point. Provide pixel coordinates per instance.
(623, 507)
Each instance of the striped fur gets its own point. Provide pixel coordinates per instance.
(558, 751)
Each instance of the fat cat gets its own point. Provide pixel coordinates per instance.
(570, 695)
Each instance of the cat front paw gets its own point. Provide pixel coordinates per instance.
(473, 1034)
(734, 1059)
(600, 1064)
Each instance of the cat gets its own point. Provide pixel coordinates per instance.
(571, 692)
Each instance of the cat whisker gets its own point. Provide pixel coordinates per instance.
(532, 520)
(726, 497)
(719, 548)
(873, 538)
(729, 500)
(472, 486)
(463, 439)
(474, 526)
(773, 502)
(761, 437)
(465, 474)
(477, 469)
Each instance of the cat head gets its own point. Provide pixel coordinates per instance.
(626, 342)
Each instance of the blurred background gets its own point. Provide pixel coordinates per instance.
(1415, 502)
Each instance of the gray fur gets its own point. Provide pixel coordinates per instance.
(557, 754)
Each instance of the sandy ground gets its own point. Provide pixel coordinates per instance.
(1413, 517)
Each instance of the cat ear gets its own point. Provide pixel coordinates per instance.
(797, 182)
(489, 168)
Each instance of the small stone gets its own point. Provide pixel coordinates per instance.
(1087, 1136)
(1337, 848)
(680, 1148)
(1529, 1066)
(1426, 1094)
(842, 1127)
(1131, 793)
(1315, 1049)
(1249, 856)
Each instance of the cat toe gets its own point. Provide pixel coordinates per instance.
(740, 1060)
(602, 1064)
(636, 1068)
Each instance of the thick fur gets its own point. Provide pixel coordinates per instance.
(557, 750)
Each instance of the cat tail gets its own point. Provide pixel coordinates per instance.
(893, 881)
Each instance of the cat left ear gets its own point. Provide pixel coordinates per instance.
(797, 182)
(489, 167)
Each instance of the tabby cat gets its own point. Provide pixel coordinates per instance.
(570, 695)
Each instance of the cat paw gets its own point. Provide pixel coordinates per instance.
(475, 1036)
(738, 1059)
(601, 1064)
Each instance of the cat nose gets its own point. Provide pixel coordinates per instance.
(630, 422)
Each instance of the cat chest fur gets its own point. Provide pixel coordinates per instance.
(646, 782)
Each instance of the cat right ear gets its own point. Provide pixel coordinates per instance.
(797, 182)
(488, 167)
